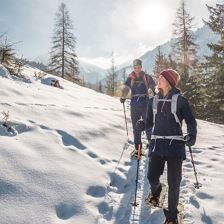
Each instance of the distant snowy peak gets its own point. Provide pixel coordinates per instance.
(89, 72)
(203, 36)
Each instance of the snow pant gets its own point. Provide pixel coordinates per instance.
(138, 112)
(174, 175)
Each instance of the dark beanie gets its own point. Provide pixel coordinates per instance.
(137, 62)
(171, 76)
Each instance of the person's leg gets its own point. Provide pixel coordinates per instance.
(174, 170)
(135, 116)
(155, 170)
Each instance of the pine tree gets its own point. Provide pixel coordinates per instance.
(197, 86)
(172, 63)
(215, 65)
(111, 80)
(6, 53)
(63, 59)
(100, 87)
(18, 65)
(185, 48)
(124, 75)
(161, 63)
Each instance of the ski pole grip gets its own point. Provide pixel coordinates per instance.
(139, 151)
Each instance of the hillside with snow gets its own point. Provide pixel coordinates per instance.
(62, 161)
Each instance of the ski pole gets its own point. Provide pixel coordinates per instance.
(135, 204)
(197, 185)
(125, 119)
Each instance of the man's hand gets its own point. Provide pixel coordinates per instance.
(190, 139)
(140, 125)
(122, 100)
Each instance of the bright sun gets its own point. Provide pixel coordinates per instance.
(152, 18)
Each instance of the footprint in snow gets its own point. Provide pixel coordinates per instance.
(92, 155)
(203, 195)
(194, 202)
(104, 161)
(212, 148)
(114, 160)
(69, 140)
(188, 165)
(184, 182)
(105, 210)
(7, 188)
(209, 166)
(66, 210)
(197, 150)
(205, 218)
(96, 191)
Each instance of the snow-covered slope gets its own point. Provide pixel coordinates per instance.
(56, 166)
(60, 165)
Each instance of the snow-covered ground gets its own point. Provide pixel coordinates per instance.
(60, 165)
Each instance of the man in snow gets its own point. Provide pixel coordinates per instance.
(139, 83)
(165, 114)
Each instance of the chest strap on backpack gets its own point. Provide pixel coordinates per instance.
(144, 79)
(173, 102)
(175, 137)
(171, 138)
(139, 95)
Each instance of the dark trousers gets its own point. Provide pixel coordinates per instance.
(174, 175)
(138, 112)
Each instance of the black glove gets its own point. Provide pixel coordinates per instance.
(122, 100)
(190, 139)
(140, 125)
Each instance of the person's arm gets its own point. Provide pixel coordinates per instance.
(125, 90)
(149, 117)
(190, 121)
(151, 83)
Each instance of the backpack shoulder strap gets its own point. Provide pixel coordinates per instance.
(133, 77)
(145, 80)
(154, 107)
(174, 107)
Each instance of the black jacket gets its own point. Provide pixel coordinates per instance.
(166, 125)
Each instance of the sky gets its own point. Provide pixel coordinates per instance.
(128, 28)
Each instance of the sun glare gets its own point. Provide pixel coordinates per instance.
(152, 18)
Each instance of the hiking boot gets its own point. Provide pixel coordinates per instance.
(134, 154)
(154, 201)
(171, 221)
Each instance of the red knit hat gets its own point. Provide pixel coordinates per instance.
(171, 76)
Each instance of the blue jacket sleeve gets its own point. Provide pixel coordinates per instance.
(149, 116)
(189, 118)
(128, 82)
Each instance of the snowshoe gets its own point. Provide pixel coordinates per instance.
(180, 214)
(134, 154)
(158, 202)
(152, 201)
(171, 221)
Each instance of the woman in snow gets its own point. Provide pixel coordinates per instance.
(165, 114)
